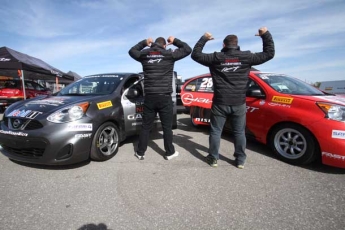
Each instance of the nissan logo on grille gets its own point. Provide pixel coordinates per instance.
(17, 123)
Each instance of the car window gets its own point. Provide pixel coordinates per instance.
(28, 85)
(10, 84)
(94, 85)
(252, 85)
(202, 84)
(2, 84)
(129, 82)
(288, 85)
(38, 86)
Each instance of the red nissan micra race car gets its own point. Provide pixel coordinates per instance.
(298, 121)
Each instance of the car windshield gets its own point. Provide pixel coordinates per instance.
(288, 85)
(10, 84)
(93, 85)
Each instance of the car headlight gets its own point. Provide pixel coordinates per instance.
(68, 114)
(333, 111)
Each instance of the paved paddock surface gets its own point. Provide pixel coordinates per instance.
(184, 193)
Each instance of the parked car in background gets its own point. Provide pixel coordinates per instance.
(11, 90)
(87, 119)
(299, 122)
(179, 105)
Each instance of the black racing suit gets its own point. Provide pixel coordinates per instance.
(158, 67)
(229, 69)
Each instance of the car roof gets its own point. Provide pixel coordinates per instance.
(17, 79)
(252, 70)
(113, 73)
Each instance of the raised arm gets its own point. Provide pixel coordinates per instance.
(198, 55)
(134, 52)
(268, 49)
(183, 48)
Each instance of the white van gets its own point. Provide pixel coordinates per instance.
(334, 87)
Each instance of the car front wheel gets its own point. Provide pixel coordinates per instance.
(193, 123)
(105, 143)
(294, 144)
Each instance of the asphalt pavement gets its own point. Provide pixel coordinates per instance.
(183, 193)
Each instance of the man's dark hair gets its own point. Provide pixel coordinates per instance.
(231, 41)
(161, 41)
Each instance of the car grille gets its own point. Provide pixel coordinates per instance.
(24, 124)
(29, 152)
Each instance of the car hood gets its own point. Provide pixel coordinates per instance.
(325, 98)
(46, 104)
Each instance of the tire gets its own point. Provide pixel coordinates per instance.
(294, 144)
(105, 143)
(193, 123)
(194, 112)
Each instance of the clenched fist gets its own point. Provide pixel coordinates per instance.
(208, 36)
(262, 30)
(149, 41)
(170, 40)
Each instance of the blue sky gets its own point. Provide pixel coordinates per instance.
(90, 37)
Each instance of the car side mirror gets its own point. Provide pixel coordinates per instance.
(132, 93)
(256, 92)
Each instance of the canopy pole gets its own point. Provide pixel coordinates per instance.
(57, 84)
(23, 83)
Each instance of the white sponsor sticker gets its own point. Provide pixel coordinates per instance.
(83, 135)
(80, 127)
(333, 156)
(338, 134)
(14, 133)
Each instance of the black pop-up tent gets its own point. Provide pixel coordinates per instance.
(16, 64)
(75, 76)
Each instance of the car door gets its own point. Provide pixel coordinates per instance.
(198, 95)
(174, 99)
(133, 107)
(256, 109)
(29, 90)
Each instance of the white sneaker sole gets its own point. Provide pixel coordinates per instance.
(171, 156)
(139, 157)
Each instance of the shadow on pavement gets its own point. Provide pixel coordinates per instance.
(52, 167)
(100, 226)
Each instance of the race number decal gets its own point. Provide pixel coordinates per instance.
(206, 83)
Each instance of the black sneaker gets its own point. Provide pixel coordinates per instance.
(139, 157)
(211, 161)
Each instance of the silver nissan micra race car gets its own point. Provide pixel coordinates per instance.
(85, 120)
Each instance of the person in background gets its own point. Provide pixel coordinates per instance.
(158, 67)
(229, 69)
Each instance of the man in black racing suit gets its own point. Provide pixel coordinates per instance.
(229, 69)
(158, 66)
